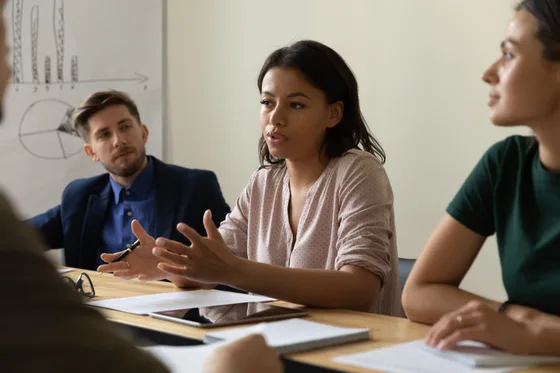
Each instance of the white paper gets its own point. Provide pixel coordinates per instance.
(283, 335)
(473, 354)
(144, 304)
(64, 270)
(182, 359)
(411, 357)
(61, 51)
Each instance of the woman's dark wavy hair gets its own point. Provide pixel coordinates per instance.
(326, 70)
(547, 13)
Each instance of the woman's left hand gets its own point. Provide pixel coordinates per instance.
(478, 322)
(207, 259)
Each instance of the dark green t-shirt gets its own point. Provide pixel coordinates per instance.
(511, 194)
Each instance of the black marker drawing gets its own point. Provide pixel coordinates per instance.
(34, 43)
(45, 128)
(47, 70)
(74, 70)
(46, 131)
(59, 31)
(58, 26)
(17, 63)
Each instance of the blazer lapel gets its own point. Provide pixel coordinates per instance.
(92, 231)
(167, 202)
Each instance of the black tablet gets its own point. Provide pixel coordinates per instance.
(210, 317)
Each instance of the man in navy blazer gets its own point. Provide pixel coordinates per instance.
(95, 214)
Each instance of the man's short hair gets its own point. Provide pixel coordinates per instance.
(99, 101)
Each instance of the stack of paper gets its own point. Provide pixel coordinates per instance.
(294, 335)
(144, 304)
(416, 357)
(476, 354)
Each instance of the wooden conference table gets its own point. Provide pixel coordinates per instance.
(385, 330)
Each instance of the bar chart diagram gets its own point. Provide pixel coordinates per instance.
(40, 60)
(62, 51)
(43, 73)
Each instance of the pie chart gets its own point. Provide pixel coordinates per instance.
(46, 130)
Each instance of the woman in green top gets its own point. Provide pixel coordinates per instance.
(513, 192)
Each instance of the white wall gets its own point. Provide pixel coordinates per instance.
(418, 63)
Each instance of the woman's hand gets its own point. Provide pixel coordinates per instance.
(207, 259)
(478, 322)
(141, 263)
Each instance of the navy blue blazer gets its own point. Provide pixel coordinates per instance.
(182, 195)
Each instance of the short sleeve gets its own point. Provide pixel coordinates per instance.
(366, 220)
(473, 205)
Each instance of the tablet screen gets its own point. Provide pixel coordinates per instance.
(230, 314)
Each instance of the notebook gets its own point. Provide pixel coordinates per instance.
(294, 335)
(477, 354)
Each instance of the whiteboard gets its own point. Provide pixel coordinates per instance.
(60, 52)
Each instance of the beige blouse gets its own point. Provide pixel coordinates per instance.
(347, 218)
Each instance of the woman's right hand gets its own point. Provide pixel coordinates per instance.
(141, 263)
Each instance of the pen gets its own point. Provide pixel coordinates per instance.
(127, 251)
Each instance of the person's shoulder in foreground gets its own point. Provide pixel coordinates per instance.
(46, 327)
(44, 324)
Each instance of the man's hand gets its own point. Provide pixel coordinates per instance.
(140, 263)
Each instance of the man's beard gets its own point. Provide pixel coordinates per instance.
(128, 171)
